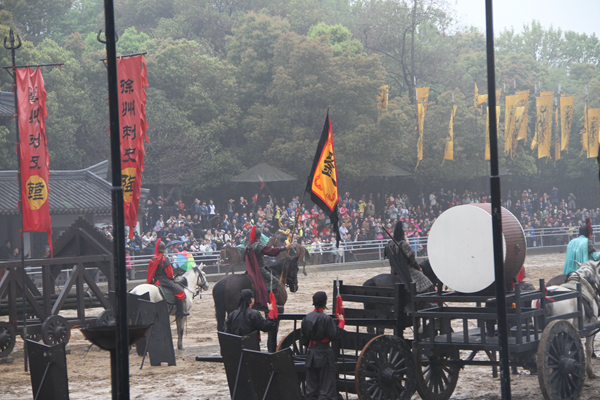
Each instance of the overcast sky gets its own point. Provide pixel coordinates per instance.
(570, 15)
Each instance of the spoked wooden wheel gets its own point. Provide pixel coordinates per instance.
(7, 339)
(560, 361)
(385, 370)
(437, 375)
(293, 341)
(55, 330)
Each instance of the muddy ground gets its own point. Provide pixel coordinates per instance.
(89, 367)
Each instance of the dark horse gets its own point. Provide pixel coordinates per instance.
(390, 280)
(233, 255)
(226, 292)
(278, 239)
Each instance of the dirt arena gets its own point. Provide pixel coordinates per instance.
(89, 367)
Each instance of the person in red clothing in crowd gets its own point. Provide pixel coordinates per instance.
(318, 330)
(160, 272)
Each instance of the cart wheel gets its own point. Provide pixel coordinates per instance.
(106, 318)
(292, 340)
(385, 369)
(55, 331)
(560, 361)
(436, 374)
(7, 339)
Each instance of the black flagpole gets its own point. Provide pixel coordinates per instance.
(12, 47)
(120, 364)
(497, 210)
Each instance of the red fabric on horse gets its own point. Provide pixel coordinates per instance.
(253, 270)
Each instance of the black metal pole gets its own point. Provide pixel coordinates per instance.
(12, 47)
(497, 209)
(122, 341)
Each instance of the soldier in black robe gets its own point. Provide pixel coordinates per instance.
(245, 320)
(318, 330)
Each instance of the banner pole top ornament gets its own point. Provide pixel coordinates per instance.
(11, 38)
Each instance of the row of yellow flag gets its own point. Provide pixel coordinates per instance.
(515, 123)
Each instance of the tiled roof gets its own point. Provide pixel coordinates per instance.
(7, 104)
(71, 192)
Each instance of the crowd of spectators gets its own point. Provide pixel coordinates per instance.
(205, 227)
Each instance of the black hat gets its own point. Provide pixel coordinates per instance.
(320, 300)
(246, 294)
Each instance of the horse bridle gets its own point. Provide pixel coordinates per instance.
(198, 290)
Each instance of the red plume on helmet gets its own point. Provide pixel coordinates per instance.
(588, 223)
(253, 234)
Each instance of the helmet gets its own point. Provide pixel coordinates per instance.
(162, 248)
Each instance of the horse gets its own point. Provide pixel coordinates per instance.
(390, 280)
(226, 292)
(278, 239)
(235, 256)
(193, 282)
(587, 274)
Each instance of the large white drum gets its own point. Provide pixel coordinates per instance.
(461, 249)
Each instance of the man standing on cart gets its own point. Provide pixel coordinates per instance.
(403, 262)
(318, 330)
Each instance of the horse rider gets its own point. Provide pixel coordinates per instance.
(255, 264)
(318, 330)
(160, 272)
(403, 262)
(245, 320)
(580, 249)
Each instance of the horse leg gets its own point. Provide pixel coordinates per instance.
(589, 349)
(180, 324)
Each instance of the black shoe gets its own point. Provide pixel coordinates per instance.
(180, 311)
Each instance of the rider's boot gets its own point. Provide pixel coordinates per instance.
(180, 311)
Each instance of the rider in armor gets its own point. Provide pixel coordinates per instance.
(403, 262)
(160, 272)
(255, 264)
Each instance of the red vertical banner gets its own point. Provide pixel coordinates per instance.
(131, 76)
(33, 152)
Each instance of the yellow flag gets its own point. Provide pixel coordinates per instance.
(557, 140)
(594, 132)
(544, 94)
(422, 98)
(566, 119)
(476, 96)
(382, 97)
(543, 126)
(449, 151)
(520, 115)
(486, 153)
(585, 127)
(523, 102)
(487, 131)
(509, 121)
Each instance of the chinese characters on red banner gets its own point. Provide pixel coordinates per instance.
(33, 151)
(131, 75)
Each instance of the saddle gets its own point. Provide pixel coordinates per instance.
(168, 295)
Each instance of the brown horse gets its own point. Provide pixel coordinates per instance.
(233, 255)
(278, 240)
(226, 292)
